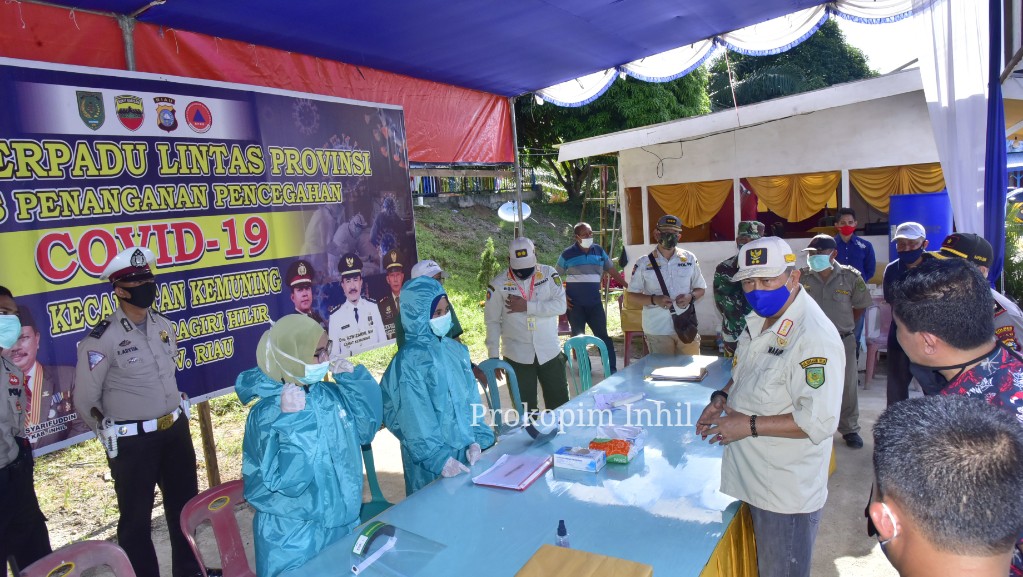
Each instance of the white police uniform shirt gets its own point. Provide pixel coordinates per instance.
(529, 334)
(355, 327)
(681, 274)
(797, 366)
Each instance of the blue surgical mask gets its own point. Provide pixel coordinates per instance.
(909, 257)
(819, 262)
(315, 373)
(441, 325)
(10, 330)
(767, 303)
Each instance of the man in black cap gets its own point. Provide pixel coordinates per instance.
(300, 278)
(842, 295)
(389, 311)
(355, 325)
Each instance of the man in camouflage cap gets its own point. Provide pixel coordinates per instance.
(728, 296)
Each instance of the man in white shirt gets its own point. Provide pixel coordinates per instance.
(523, 305)
(682, 278)
(355, 326)
(777, 414)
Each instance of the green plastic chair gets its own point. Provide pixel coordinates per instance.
(378, 503)
(489, 368)
(577, 345)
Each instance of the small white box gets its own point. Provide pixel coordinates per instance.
(579, 459)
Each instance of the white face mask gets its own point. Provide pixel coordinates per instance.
(586, 242)
(313, 373)
(10, 330)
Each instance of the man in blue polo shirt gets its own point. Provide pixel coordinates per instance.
(582, 266)
(855, 252)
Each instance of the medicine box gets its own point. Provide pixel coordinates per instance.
(579, 459)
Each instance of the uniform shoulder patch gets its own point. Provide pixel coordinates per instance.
(813, 361)
(786, 326)
(557, 278)
(814, 369)
(100, 329)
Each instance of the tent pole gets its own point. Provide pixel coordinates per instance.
(520, 225)
(127, 24)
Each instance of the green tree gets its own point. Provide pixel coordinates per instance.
(488, 264)
(627, 104)
(822, 60)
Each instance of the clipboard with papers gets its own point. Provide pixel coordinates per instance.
(516, 472)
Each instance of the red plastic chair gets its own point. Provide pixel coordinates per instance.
(216, 505)
(876, 325)
(77, 558)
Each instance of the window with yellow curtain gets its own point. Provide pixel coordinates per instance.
(796, 197)
(696, 203)
(878, 185)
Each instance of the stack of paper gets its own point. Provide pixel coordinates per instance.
(514, 471)
(688, 373)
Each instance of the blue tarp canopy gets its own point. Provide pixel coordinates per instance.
(505, 47)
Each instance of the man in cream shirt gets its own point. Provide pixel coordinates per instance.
(777, 414)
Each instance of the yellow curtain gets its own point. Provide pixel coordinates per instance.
(694, 202)
(796, 197)
(877, 185)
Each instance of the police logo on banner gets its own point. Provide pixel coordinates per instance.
(90, 108)
(198, 117)
(166, 118)
(130, 111)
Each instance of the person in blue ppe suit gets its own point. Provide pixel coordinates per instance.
(301, 461)
(431, 402)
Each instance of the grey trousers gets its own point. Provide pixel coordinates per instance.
(784, 542)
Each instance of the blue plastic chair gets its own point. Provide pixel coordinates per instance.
(378, 503)
(577, 345)
(489, 368)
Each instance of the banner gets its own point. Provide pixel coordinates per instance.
(256, 202)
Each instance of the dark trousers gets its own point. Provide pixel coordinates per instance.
(23, 531)
(899, 375)
(594, 315)
(165, 459)
(552, 379)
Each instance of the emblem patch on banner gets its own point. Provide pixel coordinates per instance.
(198, 117)
(756, 256)
(130, 111)
(166, 118)
(90, 108)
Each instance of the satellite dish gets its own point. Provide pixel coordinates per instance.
(509, 211)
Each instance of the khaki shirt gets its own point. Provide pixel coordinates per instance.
(797, 366)
(843, 291)
(529, 334)
(127, 373)
(681, 274)
(12, 411)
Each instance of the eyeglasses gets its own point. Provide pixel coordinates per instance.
(324, 351)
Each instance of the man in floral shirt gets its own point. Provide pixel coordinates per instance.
(943, 313)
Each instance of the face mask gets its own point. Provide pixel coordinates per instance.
(962, 368)
(910, 256)
(441, 325)
(819, 262)
(313, 373)
(669, 240)
(143, 295)
(846, 230)
(524, 273)
(586, 243)
(884, 542)
(767, 303)
(10, 330)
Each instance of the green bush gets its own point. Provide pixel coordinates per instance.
(488, 264)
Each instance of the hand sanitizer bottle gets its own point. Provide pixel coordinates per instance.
(562, 539)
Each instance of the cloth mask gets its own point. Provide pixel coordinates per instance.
(586, 243)
(142, 296)
(819, 262)
(10, 330)
(767, 303)
(441, 325)
(313, 373)
(961, 367)
(524, 273)
(668, 240)
(846, 230)
(910, 256)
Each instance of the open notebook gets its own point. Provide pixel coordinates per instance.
(514, 471)
(688, 373)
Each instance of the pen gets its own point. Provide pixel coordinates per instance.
(517, 467)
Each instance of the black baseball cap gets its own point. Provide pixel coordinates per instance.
(969, 246)
(821, 242)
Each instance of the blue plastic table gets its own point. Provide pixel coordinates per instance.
(663, 509)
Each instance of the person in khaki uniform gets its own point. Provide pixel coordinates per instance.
(126, 391)
(682, 278)
(842, 295)
(777, 414)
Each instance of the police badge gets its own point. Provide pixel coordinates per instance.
(166, 119)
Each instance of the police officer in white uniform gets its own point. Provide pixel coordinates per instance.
(22, 525)
(777, 414)
(355, 325)
(523, 305)
(127, 393)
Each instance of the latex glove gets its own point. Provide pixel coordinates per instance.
(292, 398)
(453, 468)
(472, 454)
(341, 365)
